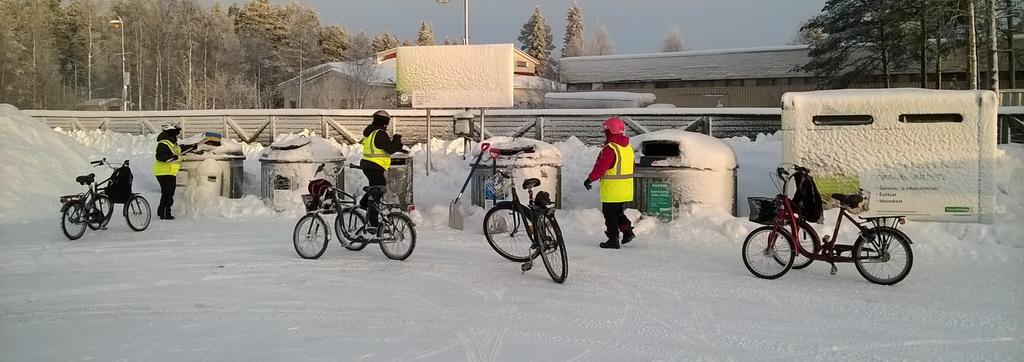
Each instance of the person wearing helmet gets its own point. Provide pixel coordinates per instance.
(165, 167)
(614, 167)
(377, 150)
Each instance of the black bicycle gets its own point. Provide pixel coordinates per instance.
(94, 208)
(522, 233)
(396, 233)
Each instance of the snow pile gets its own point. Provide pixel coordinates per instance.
(544, 153)
(695, 150)
(37, 165)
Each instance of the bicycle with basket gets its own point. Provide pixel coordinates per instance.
(396, 233)
(95, 207)
(522, 233)
(881, 252)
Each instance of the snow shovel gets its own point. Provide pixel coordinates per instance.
(455, 216)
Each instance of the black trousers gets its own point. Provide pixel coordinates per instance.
(375, 175)
(615, 219)
(167, 184)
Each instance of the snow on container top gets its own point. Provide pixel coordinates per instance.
(544, 153)
(302, 148)
(228, 148)
(927, 154)
(679, 148)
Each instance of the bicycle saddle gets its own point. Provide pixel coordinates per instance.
(85, 180)
(848, 201)
(514, 150)
(531, 183)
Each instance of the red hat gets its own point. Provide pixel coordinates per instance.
(614, 125)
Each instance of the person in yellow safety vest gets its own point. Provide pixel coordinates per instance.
(614, 167)
(377, 150)
(165, 167)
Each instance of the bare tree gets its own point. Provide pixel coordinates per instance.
(601, 43)
(360, 71)
(673, 41)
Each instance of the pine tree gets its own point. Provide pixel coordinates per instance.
(673, 41)
(863, 38)
(426, 35)
(384, 41)
(572, 43)
(335, 42)
(536, 41)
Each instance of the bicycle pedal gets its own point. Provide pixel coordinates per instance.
(833, 270)
(526, 266)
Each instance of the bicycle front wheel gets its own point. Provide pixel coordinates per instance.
(401, 238)
(883, 256)
(71, 220)
(346, 225)
(102, 204)
(508, 232)
(768, 253)
(552, 249)
(310, 236)
(137, 213)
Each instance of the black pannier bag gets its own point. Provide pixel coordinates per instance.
(807, 200)
(120, 187)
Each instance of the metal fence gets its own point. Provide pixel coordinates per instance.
(551, 125)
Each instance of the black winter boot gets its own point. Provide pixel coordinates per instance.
(160, 213)
(612, 243)
(627, 236)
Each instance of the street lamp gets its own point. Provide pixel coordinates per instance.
(119, 24)
(465, 40)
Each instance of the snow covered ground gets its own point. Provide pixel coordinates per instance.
(224, 282)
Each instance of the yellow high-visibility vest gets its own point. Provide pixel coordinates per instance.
(617, 182)
(161, 168)
(373, 154)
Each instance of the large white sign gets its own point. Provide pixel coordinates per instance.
(456, 76)
(923, 153)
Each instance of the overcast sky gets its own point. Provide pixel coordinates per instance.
(635, 26)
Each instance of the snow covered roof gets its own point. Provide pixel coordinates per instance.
(696, 150)
(744, 63)
(618, 96)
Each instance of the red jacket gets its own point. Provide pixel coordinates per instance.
(606, 160)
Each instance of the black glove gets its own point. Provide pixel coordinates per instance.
(397, 138)
(586, 183)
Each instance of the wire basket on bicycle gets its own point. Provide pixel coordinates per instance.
(762, 210)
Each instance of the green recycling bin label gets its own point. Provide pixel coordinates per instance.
(659, 201)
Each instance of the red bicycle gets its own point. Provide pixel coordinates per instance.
(881, 253)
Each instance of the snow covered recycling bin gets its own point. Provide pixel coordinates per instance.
(676, 168)
(224, 174)
(400, 181)
(290, 163)
(927, 154)
(544, 163)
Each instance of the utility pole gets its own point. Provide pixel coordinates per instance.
(993, 50)
(972, 44)
(119, 24)
(465, 38)
(1011, 59)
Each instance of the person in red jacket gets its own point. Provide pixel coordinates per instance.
(614, 167)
